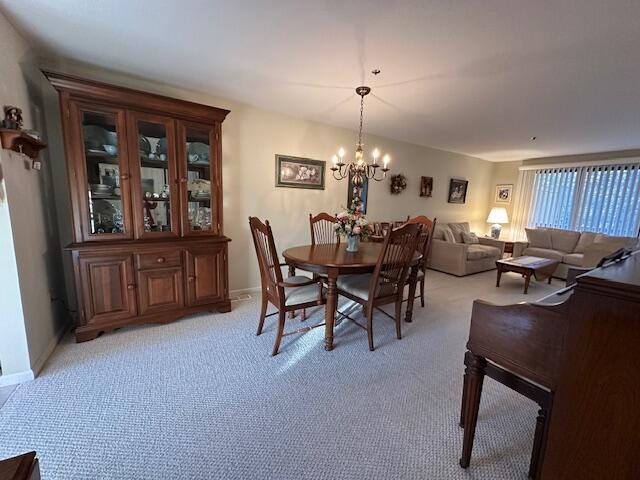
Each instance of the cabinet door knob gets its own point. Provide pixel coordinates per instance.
(124, 177)
(183, 180)
(160, 260)
(131, 286)
(192, 279)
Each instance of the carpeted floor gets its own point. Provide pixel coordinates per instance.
(202, 398)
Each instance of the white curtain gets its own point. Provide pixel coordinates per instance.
(522, 204)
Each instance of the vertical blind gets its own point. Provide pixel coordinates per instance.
(602, 198)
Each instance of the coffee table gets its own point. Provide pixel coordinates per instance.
(540, 268)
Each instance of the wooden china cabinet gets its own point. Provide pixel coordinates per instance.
(145, 180)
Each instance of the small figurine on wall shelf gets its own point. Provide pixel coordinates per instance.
(12, 118)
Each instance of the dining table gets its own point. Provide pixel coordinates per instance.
(333, 260)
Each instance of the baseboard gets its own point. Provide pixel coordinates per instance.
(15, 378)
(51, 346)
(244, 291)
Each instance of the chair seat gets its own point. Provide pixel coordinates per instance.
(478, 252)
(358, 286)
(300, 295)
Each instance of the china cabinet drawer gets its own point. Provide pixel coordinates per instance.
(162, 259)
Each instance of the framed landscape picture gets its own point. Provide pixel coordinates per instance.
(297, 172)
(426, 186)
(503, 194)
(458, 191)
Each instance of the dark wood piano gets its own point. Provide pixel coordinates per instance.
(575, 353)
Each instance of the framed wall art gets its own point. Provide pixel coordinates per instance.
(297, 172)
(458, 191)
(364, 190)
(503, 194)
(426, 186)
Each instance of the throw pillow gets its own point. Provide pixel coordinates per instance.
(458, 229)
(586, 239)
(538, 237)
(470, 237)
(448, 235)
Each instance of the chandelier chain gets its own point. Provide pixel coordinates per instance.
(361, 113)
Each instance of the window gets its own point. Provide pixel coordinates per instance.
(604, 198)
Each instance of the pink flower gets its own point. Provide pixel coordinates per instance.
(357, 230)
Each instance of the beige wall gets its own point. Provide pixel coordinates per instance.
(30, 323)
(251, 137)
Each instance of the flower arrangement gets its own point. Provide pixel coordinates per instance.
(398, 183)
(352, 223)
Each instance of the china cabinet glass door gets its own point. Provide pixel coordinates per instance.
(154, 176)
(200, 179)
(103, 177)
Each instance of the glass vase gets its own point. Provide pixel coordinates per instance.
(352, 243)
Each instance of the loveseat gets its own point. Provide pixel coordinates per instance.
(571, 249)
(450, 253)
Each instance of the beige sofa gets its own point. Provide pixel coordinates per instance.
(458, 258)
(572, 249)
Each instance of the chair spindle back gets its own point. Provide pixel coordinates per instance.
(393, 265)
(425, 235)
(268, 261)
(323, 231)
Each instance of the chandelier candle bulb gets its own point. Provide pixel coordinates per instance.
(375, 154)
(385, 160)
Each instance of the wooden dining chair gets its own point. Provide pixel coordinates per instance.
(323, 231)
(425, 236)
(386, 284)
(294, 293)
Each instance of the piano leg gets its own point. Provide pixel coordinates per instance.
(538, 441)
(464, 388)
(475, 376)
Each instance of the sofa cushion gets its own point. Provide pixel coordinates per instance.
(470, 238)
(477, 252)
(586, 239)
(448, 236)
(539, 237)
(543, 252)
(574, 259)
(564, 240)
(438, 232)
(615, 242)
(458, 229)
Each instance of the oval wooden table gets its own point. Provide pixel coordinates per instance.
(334, 260)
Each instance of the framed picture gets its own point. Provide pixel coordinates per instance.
(458, 191)
(363, 193)
(426, 186)
(503, 194)
(296, 172)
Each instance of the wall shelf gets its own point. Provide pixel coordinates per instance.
(19, 141)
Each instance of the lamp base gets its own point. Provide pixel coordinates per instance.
(495, 230)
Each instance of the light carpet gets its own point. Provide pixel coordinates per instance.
(202, 398)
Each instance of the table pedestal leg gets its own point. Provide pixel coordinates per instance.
(330, 309)
(413, 280)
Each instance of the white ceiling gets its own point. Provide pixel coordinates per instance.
(479, 77)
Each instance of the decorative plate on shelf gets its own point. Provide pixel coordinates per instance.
(198, 152)
(143, 145)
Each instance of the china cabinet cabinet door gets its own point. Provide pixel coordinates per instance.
(160, 290)
(108, 288)
(154, 177)
(200, 179)
(205, 274)
(101, 171)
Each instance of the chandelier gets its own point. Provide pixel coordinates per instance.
(360, 169)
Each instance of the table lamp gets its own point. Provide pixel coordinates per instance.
(497, 216)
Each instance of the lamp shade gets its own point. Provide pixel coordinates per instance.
(498, 215)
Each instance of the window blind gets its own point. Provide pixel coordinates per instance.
(602, 199)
